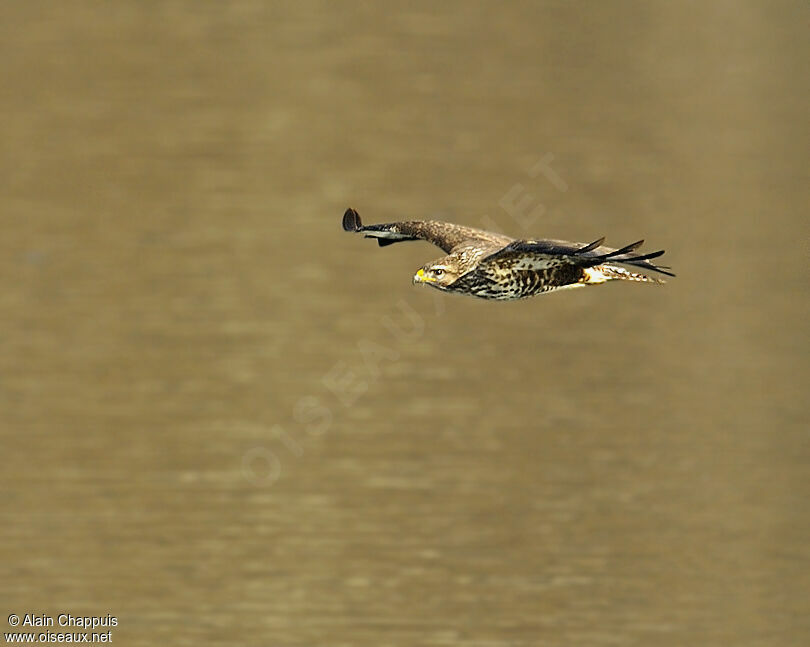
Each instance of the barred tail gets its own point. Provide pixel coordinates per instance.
(601, 273)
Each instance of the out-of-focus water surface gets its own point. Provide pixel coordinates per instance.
(224, 421)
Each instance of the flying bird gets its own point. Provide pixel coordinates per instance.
(489, 265)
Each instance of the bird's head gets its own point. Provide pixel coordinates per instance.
(438, 275)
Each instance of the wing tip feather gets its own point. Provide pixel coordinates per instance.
(351, 221)
(591, 246)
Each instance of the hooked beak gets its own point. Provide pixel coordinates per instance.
(421, 277)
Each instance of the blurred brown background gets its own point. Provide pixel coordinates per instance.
(183, 443)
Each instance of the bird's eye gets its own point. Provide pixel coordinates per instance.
(438, 271)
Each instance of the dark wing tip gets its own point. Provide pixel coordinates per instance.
(664, 269)
(646, 257)
(591, 247)
(351, 220)
(627, 248)
(644, 261)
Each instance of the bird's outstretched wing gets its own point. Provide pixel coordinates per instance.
(542, 254)
(445, 235)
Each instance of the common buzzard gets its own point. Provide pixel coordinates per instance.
(493, 266)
